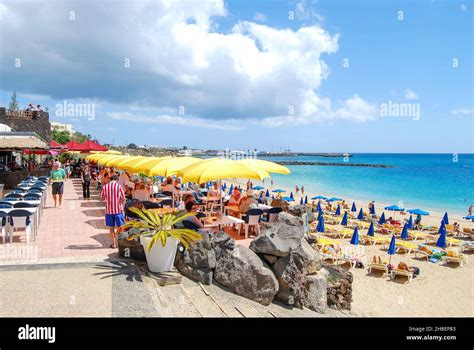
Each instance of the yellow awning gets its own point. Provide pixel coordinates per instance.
(171, 166)
(143, 166)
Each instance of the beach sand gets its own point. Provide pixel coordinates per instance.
(439, 290)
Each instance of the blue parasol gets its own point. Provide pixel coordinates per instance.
(344, 219)
(354, 208)
(361, 215)
(382, 219)
(301, 201)
(441, 242)
(418, 212)
(371, 231)
(319, 207)
(355, 237)
(391, 248)
(338, 210)
(306, 199)
(445, 218)
(334, 199)
(258, 188)
(318, 197)
(410, 223)
(404, 234)
(267, 194)
(278, 190)
(394, 208)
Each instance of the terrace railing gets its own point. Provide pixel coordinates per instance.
(21, 114)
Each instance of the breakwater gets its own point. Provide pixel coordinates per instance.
(291, 162)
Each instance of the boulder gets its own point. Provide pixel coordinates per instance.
(291, 280)
(316, 293)
(288, 219)
(307, 258)
(221, 241)
(242, 271)
(198, 262)
(278, 239)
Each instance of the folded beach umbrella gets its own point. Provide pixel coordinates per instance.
(318, 197)
(361, 215)
(355, 237)
(267, 194)
(441, 242)
(319, 207)
(391, 248)
(354, 208)
(231, 190)
(410, 222)
(301, 201)
(320, 215)
(224, 186)
(442, 227)
(338, 210)
(320, 225)
(382, 219)
(278, 190)
(344, 219)
(291, 195)
(445, 218)
(418, 212)
(404, 234)
(273, 197)
(306, 199)
(371, 231)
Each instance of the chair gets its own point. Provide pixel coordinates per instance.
(150, 205)
(6, 205)
(159, 195)
(23, 205)
(35, 190)
(20, 218)
(378, 267)
(252, 218)
(399, 272)
(166, 203)
(10, 199)
(167, 193)
(3, 225)
(32, 197)
(17, 196)
(190, 225)
(272, 214)
(455, 257)
(18, 190)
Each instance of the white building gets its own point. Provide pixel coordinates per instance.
(62, 127)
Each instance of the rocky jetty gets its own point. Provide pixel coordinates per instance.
(297, 162)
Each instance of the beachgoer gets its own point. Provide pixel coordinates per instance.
(57, 178)
(246, 202)
(114, 197)
(469, 211)
(123, 179)
(302, 190)
(67, 169)
(190, 206)
(86, 182)
(142, 193)
(403, 266)
(297, 189)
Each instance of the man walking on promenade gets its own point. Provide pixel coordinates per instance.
(57, 177)
(114, 197)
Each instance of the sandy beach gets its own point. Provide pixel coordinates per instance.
(439, 291)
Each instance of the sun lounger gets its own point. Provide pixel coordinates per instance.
(373, 240)
(344, 233)
(398, 272)
(324, 241)
(455, 257)
(467, 246)
(406, 247)
(417, 235)
(378, 267)
(424, 252)
(449, 240)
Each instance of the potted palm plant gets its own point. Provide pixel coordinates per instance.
(159, 237)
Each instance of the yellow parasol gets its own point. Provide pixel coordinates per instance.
(219, 168)
(128, 162)
(143, 166)
(104, 160)
(171, 166)
(265, 165)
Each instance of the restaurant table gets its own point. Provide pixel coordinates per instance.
(224, 220)
(162, 211)
(34, 211)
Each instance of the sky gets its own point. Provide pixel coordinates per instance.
(311, 76)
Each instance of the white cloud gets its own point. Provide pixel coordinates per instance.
(306, 10)
(176, 120)
(463, 111)
(260, 17)
(411, 95)
(177, 58)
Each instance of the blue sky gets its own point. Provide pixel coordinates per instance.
(245, 74)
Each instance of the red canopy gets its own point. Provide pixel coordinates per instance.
(89, 146)
(54, 144)
(72, 146)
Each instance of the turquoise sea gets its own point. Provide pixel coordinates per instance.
(436, 182)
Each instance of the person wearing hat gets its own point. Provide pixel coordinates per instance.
(57, 177)
(247, 201)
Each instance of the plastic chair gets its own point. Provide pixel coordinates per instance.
(167, 193)
(252, 218)
(273, 214)
(34, 190)
(159, 195)
(190, 225)
(18, 190)
(166, 203)
(32, 197)
(20, 218)
(6, 205)
(17, 196)
(23, 205)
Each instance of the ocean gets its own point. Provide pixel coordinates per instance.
(433, 182)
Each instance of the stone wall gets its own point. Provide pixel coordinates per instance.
(12, 178)
(39, 123)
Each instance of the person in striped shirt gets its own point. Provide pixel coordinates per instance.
(114, 197)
